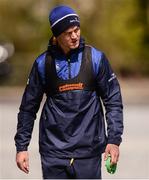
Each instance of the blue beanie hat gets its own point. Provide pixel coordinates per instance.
(61, 18)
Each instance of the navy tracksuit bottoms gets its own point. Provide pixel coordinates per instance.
(56, 168)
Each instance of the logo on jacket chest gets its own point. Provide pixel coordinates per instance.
(57, 67)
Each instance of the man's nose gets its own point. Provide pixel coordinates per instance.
(73, 35)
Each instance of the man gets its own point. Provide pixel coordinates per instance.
(74, 77)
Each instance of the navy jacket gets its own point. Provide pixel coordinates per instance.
(72, 123)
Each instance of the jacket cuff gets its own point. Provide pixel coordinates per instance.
(21, 148)
(116, 142)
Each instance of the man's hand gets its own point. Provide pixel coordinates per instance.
(22, 160)
(113, 150)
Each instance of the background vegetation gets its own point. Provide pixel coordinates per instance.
(120, 28)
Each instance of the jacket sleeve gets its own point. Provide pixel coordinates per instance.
(29, 107)
(109, 91)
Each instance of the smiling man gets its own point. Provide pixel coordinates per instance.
(75, 78)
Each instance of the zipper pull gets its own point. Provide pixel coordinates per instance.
(68, 60)
(69, 68)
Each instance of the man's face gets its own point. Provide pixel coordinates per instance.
(69, 39)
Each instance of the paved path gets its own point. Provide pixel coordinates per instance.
(134, 159)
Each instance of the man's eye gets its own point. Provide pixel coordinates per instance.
(67, 34)
(76, 30)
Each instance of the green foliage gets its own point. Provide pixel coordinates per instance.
(120, 28)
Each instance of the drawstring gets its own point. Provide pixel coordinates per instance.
(70, 169)
(71, 161)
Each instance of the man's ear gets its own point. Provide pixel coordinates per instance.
(54, 40)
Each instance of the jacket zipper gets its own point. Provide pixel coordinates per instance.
(69, 69)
